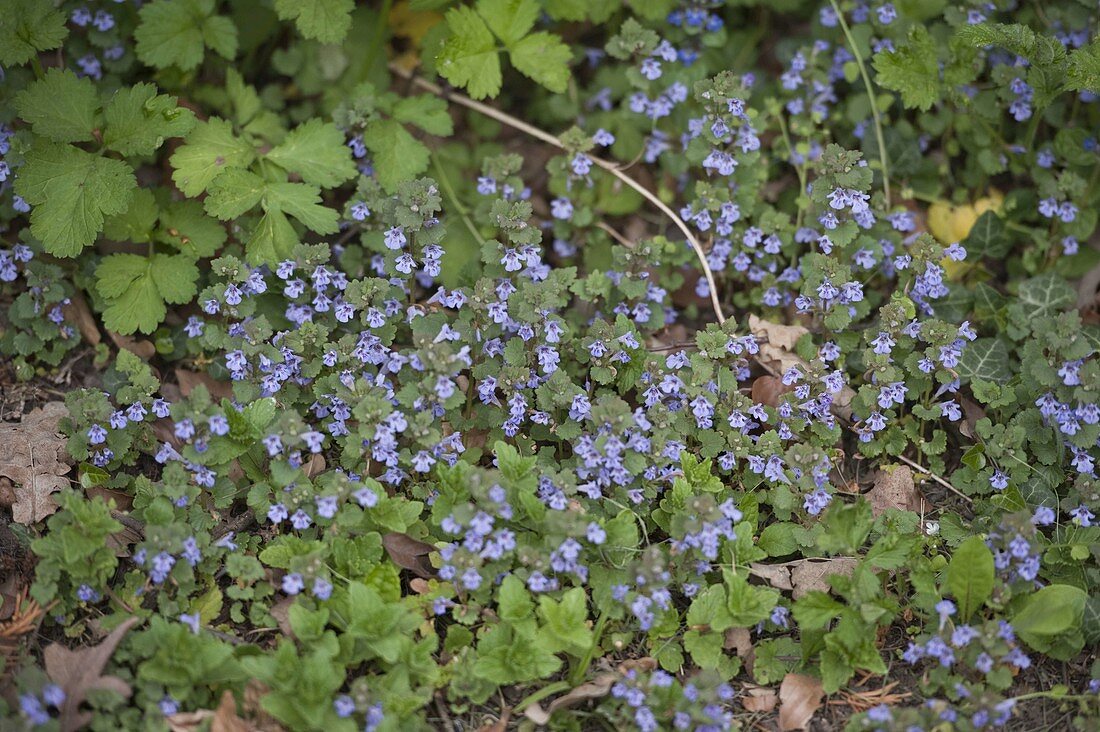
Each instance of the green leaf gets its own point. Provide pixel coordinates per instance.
(1045, 295)
(970, 576)
(176, 32)
(210, 148)
(513, 600)
(303, 202)
(327, 21)
(60, 106)
(138, 120)
(987, 237)
(1083, 72)
(510, 20)
(427, 112)
(815, 609)
(184, 225)
(28, 27)
(397, 155)
(1019, 39)
(543, 57)
(136, 223)
(748, 604)
(565, 622)
(137, 287)
(272, 241)
(72, 191)
(316, 152)
(233, 193)
(911, 70)
(468, 58)
(1053, 610)
(986, 359)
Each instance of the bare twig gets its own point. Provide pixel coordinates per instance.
(609, 166)
(936, 478)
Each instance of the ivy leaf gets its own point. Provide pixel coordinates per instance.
(177, 32)
(138, 120)
(210, 148)
(136, 289)
(316, 152)
(427, 112)
(185, 226)
(72, 191)
(468, 57)
(970, 576)
(397, 155)
(28, 27)
(1045, 295)
(327, 21)
(911, 70)
(60, 106)
(544, 58)
(987, 237)
(986, 359)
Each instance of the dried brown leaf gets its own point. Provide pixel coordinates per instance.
(80, 671)
(894, 488)
(767, 389)
(759, 699)
(34, 457)
(143, 349)
(188, 380)
(810, 575)
(78, 313)
(595, 689)
(409, 553)
(799, 696)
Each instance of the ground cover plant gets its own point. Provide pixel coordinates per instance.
(519, 364)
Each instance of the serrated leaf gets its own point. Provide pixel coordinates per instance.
(510, 20)
(137, 287)
(327, 21)
(136, 223)
(176, 33)
(986, 359)
(210, 148)
(303, 202)
(233, 193)
(28, 27)
(468, 58)
(138, 120)
(316, 152)
(272, 240)
(72, 191)
(970, 576)
(60, 106)
(911, 70)
(1083, 71)
(543, 57)
(427, 112)
(184, 225)
(1017, 38)
(397, 155)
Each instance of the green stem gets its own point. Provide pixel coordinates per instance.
(449, 192)
(576, 676)
(798, 168)
(874, 105)
(379, 33)
(542, 693)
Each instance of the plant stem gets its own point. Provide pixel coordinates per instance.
(871, 96)
(449, 192)
(610, 167)
(379, 33)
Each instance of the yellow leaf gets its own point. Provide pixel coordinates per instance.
(950, 224)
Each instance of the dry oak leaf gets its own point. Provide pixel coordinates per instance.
(80, 671)
(777, 342)
(803, 575)
(759, 699)
(894, 488)
(409, 553)
(799, 697)
(34, 457)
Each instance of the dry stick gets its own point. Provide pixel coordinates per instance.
(936, 478)
(607, 165)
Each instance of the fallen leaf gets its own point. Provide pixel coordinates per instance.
(595, 689)
(80, 671)
(140, 348)
(810, 575)
(33, 455)
(803, 575)
(740, 642)
(759, 699)
(894, 488)
(767, 389)
(409, 553)
(188, 380)
(776, 344)
(799, 697)
(78, 313)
